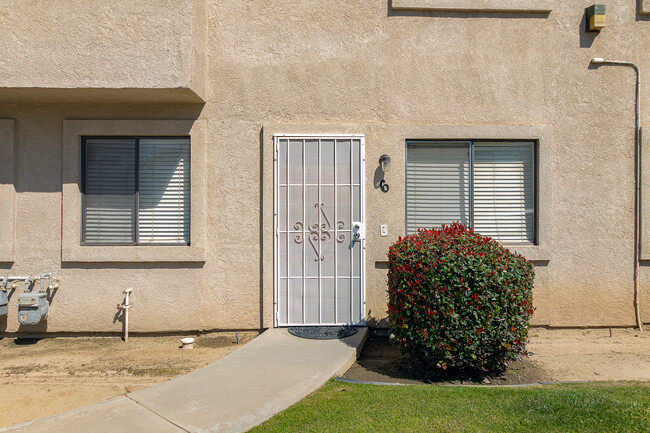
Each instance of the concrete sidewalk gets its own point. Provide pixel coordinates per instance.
(233, 394)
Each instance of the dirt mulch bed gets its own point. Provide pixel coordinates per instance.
(380, 361)
(595, 354)
(40, 377)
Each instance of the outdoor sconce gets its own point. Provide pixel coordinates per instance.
(384, 163)
(595, 18)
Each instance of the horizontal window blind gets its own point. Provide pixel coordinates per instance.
(164, 191)
(501, 203)
(503, 189)
(136, 190)
(109, 191)
(437, 186)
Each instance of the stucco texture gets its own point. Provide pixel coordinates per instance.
(359, 67)
(147, 45)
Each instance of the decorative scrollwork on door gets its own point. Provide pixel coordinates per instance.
(298, 226)
(341, 237)
(317, 232)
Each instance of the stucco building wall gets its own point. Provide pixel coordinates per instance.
(73, 50)
(249, 69)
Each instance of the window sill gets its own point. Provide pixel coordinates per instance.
(133, 254)
(514, 6)
(533, 253)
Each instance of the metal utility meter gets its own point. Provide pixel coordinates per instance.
(32, 308)
(4, 302)
(4, 299)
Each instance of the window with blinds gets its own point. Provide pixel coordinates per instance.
(136, 191)
(437, 185)
(489, 186)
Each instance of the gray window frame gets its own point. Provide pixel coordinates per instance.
(82, 188)
(469, 143)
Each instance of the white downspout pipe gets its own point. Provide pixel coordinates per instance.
(637, 172)
(126, 307)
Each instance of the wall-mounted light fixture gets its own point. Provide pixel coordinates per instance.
(384, 163)
(596, 18)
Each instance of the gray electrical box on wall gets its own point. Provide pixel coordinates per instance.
(4, 301)
(32, 308)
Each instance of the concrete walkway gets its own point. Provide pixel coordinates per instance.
(233, 394)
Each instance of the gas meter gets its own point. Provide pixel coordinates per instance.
(4, 299)
(4, 302)
(32, 308)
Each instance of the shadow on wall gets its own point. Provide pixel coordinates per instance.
(443, 14)
(586, 38)
(379, 175)
(639, 15)
(134, 266)
(51, 293)
(38, 137)
(120, 315)
(373, 322)
(261, 232)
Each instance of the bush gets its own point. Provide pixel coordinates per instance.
(458, 300)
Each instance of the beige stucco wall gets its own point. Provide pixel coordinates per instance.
(343, 67)
(214, 288)
(148, 45)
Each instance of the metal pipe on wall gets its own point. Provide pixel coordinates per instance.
(637, 173)
(126, 307)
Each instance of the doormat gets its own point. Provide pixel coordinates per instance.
(322, 332)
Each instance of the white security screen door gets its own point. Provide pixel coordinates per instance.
(319, 230)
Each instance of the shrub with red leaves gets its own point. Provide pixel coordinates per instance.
(458, 299)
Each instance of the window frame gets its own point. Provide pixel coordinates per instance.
(470, 143)
(136, 234)
(72, 252)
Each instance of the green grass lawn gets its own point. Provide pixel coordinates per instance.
(341, 407)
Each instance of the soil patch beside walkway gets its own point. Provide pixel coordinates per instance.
(556, 355)
(51, 375)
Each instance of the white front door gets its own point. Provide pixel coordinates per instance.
(319, 230)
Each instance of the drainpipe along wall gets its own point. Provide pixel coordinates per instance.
(637, 180)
